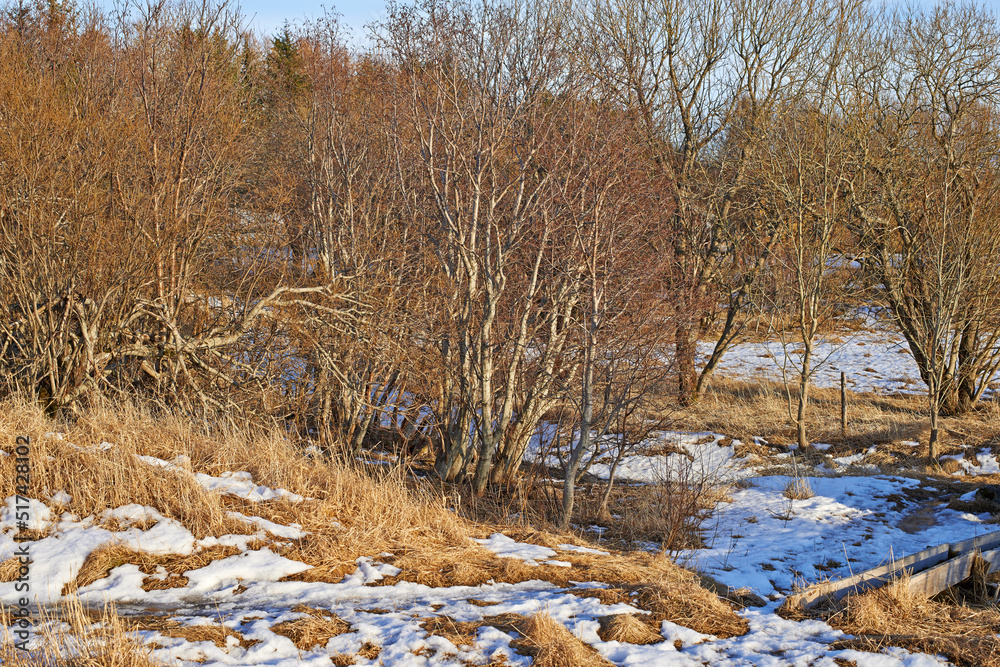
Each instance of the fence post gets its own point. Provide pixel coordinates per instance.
(843, 403)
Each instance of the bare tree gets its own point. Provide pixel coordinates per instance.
(622, 319)
(128, 263)
(485, 84)
(804, 159)
(705, 77)
(924, 195)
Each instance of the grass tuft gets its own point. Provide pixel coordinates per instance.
(896, 616)
(77, 637)
(627, 628)
(315, 628)
(798, 489)
(554, 646)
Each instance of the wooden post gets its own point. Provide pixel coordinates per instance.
(843, 403)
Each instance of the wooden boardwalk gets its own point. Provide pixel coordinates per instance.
(931, 571)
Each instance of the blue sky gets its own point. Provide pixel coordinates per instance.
(270, 16)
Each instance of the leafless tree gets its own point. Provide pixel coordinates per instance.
(805, 158)
(485, 84)
(705, 76)
(925, 192)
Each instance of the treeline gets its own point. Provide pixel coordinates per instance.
(501, 215)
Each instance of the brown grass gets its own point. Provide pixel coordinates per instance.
(627, 628)
(218, 634)
(102, 560)
(695, 607)
(952, 466)
(459, 633)
(798, 489)
(376, 515)
(540, 636)
(316, 628)
(9, 569)
(662, 588)
(760, 408)
(895, 616)
(106, 640)
(668, 513)
(348, 513)
(554, 646)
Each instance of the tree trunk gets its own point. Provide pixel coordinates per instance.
(583, 445)
(606, 496)
(800, 417)
(935, 408)
(687, 377)
(453, 457)
(485, 463)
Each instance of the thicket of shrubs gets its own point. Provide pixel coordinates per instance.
(497, 216)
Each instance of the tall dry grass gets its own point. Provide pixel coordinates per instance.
(894, 615)
(745, 410)
(348, 512)
(73, 636)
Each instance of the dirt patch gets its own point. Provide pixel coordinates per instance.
(920, 519)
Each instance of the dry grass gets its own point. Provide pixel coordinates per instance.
(102, 560)
(798, 489)
(10, 569)
(668, 513)
(554, 646)
(627, 628)
(895, 616)
(348, 513)
(459, 633)
(951, 466)
(376, 515)
(218, 634)
(316, 628)
(760, 408)
(80, 640)
(695, 608)
(650, 581)
(540, 636)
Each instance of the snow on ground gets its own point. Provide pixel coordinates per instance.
(244, 593)
(876, 361)
(759, 539)
(666, 455)
(769, 542)
(988, 464)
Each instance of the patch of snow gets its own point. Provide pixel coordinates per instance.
(583, 550)
(505, 547)
(292, 532)
(61, 497)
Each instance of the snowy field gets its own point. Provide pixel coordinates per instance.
(874, 361)
(759, 539)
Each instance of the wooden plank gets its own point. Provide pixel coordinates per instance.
(993, 558)
(944, 575)
(873, 578)
(983, 543)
